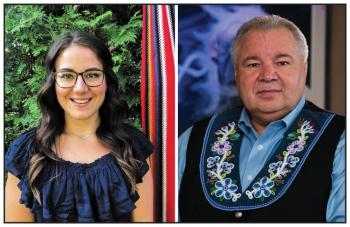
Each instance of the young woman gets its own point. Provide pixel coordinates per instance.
(82, 163)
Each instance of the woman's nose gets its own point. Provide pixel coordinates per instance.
(80, 85)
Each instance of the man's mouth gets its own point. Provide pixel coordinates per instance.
(268, 93)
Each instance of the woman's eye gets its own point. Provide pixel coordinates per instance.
(92, 75)
(66, 76)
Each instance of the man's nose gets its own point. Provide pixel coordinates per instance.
(80, 85)
(268, 72)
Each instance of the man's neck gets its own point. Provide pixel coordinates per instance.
(258, 125)
(261, 121)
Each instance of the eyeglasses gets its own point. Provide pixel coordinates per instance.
(68, 79)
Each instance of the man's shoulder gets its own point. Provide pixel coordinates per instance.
(338, 121)
(313, 107)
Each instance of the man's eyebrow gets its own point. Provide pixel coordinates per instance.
(249, 58)
(283, 56)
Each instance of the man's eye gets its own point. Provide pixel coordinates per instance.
(282, 63)
(253, 65)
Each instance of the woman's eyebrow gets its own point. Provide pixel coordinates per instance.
(93, 68)
(71, 70)
(65, 70)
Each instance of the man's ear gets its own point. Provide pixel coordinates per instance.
(235, 70)
(305, 67)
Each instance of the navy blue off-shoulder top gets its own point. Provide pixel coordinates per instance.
(77, 192)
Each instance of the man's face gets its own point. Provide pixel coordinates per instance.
(270, 73)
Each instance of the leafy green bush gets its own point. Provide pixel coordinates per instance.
(31, 29)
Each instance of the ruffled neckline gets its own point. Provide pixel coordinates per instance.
(100, 163)
(97, 161)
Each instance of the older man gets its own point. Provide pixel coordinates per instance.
(278, 158)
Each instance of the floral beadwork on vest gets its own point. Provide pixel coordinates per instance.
(219, 166)
(265, 187)
(220, 161)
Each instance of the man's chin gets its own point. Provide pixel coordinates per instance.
(272, 113)
(270, 110)
(269, 106)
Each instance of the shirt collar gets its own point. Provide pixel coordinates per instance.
(244, 119)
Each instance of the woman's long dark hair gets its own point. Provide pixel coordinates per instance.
(113, 112)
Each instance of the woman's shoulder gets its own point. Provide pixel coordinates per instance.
(19, 152)
(139, 141)
(24, 137)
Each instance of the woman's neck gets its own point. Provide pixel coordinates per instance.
(81, 128)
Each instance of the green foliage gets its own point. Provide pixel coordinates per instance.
(31, 29)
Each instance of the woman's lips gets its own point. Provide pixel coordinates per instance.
(80, 101)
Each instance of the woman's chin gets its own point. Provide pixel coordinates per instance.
(84, 116)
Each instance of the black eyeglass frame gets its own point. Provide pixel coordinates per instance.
(80, 74)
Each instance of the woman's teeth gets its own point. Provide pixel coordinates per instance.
(81, 101)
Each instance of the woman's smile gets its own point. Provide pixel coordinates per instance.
(80, 100)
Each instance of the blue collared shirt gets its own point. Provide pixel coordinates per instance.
(258, 149)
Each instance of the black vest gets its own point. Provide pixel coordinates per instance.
(300, 203)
